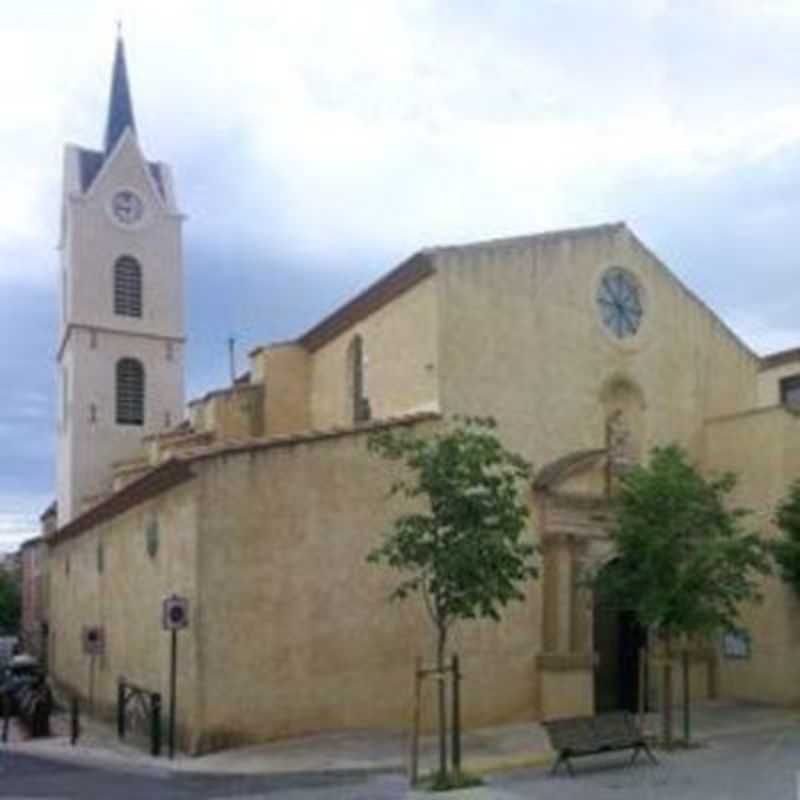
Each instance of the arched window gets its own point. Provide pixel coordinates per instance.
(130, 392)
(127, 287)
(356, 384)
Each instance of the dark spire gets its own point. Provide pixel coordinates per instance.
(120, 108)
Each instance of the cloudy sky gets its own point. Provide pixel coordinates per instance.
(315, 144)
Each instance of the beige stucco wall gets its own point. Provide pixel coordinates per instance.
(284, 371)
(402, 369)
(236, 412)
(292, 632)
(521, 339)
(763, 448)
(303, 638)
(126, 599)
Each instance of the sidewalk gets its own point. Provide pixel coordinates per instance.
(485, 750)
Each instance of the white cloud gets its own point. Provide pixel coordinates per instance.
(401, 123)
(16, 527)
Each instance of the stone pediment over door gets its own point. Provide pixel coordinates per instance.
(572, 494)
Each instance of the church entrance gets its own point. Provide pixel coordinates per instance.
(618, 639)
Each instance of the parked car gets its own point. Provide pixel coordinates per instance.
(21, 671)
(8, 648)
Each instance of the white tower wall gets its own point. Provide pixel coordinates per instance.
(93, 338)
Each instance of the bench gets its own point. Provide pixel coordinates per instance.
(603, 733)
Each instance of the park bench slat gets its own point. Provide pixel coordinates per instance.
(580, 736)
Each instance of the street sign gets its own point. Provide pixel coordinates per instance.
(93, 638)
(174, 617)
(175, 613)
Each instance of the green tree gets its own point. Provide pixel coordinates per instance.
(10, 603)
(681, 559)
(786, 547)
(461, 545)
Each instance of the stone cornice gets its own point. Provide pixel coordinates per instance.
(114, 332)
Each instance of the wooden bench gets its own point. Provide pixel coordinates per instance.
(603, 733)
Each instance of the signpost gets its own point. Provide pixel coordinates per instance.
(174, 616)
(93, 639)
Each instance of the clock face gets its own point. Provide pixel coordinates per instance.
(619, 302)
(127, 207)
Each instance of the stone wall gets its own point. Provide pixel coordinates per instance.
(299, 636)
(106, 576)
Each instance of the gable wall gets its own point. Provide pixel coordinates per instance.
(520, 339)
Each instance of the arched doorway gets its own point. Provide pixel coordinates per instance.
(618, 640)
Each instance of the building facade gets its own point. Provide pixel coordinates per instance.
(261, 506)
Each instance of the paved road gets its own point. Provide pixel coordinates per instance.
(23, 777)
(761, 766)
(756, 765)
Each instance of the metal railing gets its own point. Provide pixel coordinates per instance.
(139, 708)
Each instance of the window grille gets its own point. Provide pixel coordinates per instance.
(130, 392)
(127, 287)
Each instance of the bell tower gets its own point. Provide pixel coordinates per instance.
(121, 340)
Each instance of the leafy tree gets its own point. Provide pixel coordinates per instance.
(10, 603)
(786, 548)
(682, 561)
(461, 544)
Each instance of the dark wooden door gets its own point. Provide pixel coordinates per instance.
(617, 642)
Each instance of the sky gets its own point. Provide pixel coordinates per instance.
(316, 144)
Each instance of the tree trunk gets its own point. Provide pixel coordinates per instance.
(441, 688)
(666, 690)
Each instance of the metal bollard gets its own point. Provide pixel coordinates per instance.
(74, 720)
(5, 701)
(155, 721)
(121, 708)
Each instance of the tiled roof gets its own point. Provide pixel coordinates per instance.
(780, 358)
(177, 469)
(230, 447)
(385, 289)
(158, 480)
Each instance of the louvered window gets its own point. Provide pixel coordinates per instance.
(128, 287)
(130, 392)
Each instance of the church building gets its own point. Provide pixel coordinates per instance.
(260, 502)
